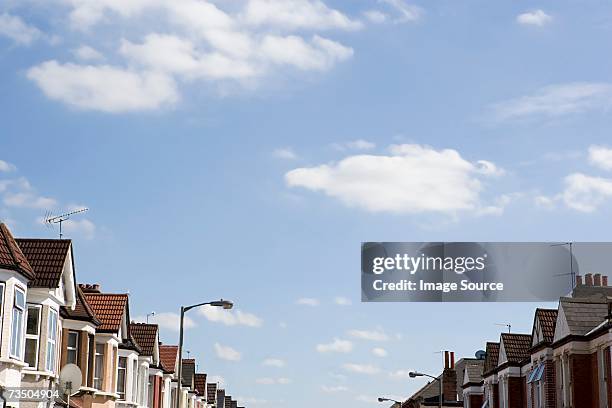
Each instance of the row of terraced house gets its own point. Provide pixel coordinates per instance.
(48, 320)
(565, 362)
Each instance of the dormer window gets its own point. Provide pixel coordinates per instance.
(17, 324)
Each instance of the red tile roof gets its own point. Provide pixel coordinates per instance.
(47, 257)
(492, 356)
(109, 308)
(145, 335)
(11, 256)
(548, 320)
(516, 346)
(200, 383)
(211, 393)
(167, 357)
(82, 310)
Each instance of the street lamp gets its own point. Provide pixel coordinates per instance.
(225, 304)
(382, 399)
(414, 374)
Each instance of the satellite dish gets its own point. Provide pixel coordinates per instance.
(481, 354)
(70, 379)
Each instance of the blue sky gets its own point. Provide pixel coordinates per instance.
(242, 150)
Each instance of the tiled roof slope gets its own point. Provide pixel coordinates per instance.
(11, 256)
(200, 383)
(109, 308)
(492, 357)
(584, 314)
(47, 258)
(167, 356)
(548, 320)
(473, 372)
(145, 335)
(188, 371)
(516, 346)
(82, 310)
(211, 393)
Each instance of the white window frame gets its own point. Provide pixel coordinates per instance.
(122, 396)
(36, 336)
(2, 296)
(96, 354)
(20, 330)
(75, 349)
(52, 329)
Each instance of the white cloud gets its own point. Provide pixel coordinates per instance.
(342, 301)
(272, 381)
(336, 346)
(412, 179)
(407, 12)
(28, 199)
(373, 335)
(375, 16)
(361, 368)
(105, 88)
(556, 100)
(285, 153)
(17, 30)
(379, 352)
(586, 193)
(216, 379)
(601, 157)
(545, 202)
(6, 166)
(297, 14)
(358, 144)
(274, 362)
(400, 374)
(168, 320)
(88, 53)
(83, 227)
(227, 353)
(536, 17)
(318, 54)
(333, 388)
(230, 317)
(308, 301)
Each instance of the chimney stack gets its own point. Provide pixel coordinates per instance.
(579, 281)
(588, 279)
(597, 279)
(604, 280)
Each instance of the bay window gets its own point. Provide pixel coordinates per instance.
(121, 377)
(17, 324)
(135, 381)
(98, 366)
(32, 336)
(51, 341)
(72, 348)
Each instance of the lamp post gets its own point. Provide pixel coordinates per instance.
(383, 399)
(225, 304)
(414, 374)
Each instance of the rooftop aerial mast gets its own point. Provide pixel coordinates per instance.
(59, 219)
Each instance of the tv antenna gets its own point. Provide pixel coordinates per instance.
(508, 325)
(572, 275)
(59, 219)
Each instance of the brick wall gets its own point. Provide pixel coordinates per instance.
(449, 384)
(476, 401)
(495, 395)
(550, 389)
(515, 392)
(608, 374)
(584, 392)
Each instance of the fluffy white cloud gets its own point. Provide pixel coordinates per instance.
(83, 227)
(87, 53)
(412, 179)
(285, 153)
(297, 14)
(308, 301)
(586, 193)
(28, 199)
(227, 353)
(105, 88)
(601, 157)
(168, 320)
(230, 317)
(273, 381)
(379, 352)
(333, 388)
(373, 335)
(274, 362)
(17, 30)
(342, 301)
(336, 346)
(556, 100)
(361, 368)
(407, 12)
(6, 166)
(318, 54)
(535, 17)
(375, 16)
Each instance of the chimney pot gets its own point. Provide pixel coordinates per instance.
(588, 279)
(579, 281)
(597, 279)
(452, 359)
(446, 361)
(604, 280)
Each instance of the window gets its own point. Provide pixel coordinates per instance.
(51, 341)
(98, 366)
(134, 380)
(121, 376)
(17, 324)
(150, 391)
(32, 335)
(72, 348)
